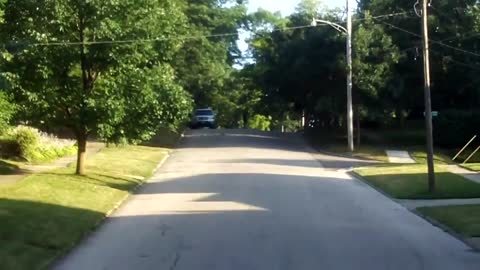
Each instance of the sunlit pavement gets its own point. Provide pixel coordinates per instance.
(247, 200)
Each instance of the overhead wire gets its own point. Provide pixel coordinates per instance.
(132, 41)
(431, 40)
(453, 60)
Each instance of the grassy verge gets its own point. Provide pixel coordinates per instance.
(464, 219)
(472, 166)
(7, 167)
(375, 142)
(410, 182)
(420, 156)
(46, 214)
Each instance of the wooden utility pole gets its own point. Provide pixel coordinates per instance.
(428, 103)
(349, 79)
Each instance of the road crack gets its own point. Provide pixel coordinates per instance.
(175, 261)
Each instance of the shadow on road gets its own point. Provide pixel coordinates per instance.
(253, 221)
(333, 162)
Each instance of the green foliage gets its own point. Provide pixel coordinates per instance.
(204, 65)
(34, 146)
(151, 90)
(105, 88)
(28, 140)
(260, 122)
(289, 124)
(374, 57)
(303, 70)
(6, 112)
(299, 70)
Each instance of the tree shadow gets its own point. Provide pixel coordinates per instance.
(32, 234)
(7, 168)
(331, 163)
(222, 138)
(117, 182)
(253, 221)
(231, 221)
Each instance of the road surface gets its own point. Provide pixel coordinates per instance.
(245, 200)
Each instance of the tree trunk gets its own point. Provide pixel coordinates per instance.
(81, 153)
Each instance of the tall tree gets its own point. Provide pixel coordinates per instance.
(204, 63)
(91, 66)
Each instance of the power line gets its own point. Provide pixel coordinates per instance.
(467, 36)
(387, 16)
(132, 41)
(432, 41)
(453, 60)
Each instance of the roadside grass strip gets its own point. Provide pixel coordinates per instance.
(472, 166)
(44, 215)
(463, 219)
(410, 182)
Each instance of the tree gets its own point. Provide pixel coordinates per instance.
(204, 63)
(299, 69)
(6, 112)
(91, 66)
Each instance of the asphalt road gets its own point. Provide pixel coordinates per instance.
(244, 200)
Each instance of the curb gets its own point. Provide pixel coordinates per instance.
(430, 220)
(363, 180)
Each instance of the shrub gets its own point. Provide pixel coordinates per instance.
(32, 145)
(28, 140)
(260, 122)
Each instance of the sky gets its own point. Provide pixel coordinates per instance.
(286, 7)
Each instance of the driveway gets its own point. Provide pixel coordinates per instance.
(247, 200)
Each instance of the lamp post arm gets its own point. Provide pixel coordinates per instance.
(336, 26)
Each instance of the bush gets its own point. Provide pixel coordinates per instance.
(260, 122)
(453, 128)
(289, 125)
(27, 139)
(32, 145)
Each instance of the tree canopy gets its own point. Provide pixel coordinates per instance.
(95, 66)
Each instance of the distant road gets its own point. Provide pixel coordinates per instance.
(247, 200)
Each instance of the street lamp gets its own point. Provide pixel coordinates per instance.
(348, 32)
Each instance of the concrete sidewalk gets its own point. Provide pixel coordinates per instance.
(29, 169)
(413, 204)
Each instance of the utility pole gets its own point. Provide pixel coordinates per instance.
(349, 79)
(428, 103)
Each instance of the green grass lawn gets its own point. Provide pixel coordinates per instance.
(464, 219)
(420, 156)
(46, 214)
(375, 142)
(410, 182)
(472, 166)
